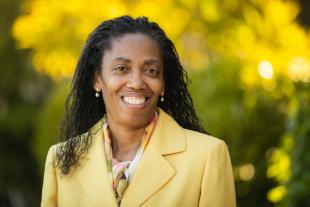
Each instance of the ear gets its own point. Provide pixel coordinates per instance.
(97, 82)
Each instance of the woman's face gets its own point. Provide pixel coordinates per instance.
(131, 79)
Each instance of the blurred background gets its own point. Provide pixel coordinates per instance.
(249, 62)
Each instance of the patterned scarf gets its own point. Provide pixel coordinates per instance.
(120, 173)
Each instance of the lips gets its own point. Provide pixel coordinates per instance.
(135, 101)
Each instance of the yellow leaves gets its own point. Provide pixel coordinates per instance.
(280, 160)
(294, 38)
(253, 18)
(195, 42)
(280, 13)
(299, 69)
(56, 30)
(20, 31)
(277, 12)
(73, 7)
(276, 194)
(180, 19)
(258, 75)
(32, 28)
(249, 76)
(93, 8)
(58, 63)
(170, 17)
(273, 36)
(210, 10)
(279, 168)
(189, 4)
(245, 35)
(151, 8)
(114, 9)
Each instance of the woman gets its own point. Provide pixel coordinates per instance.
(130, 133)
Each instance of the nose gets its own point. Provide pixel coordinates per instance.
(136, 82)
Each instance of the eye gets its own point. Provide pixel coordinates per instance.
(152, 71)
(120, 68)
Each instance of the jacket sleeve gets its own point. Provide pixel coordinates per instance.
(217, 187)
(49, 189)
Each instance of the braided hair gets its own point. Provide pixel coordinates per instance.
(82, 108)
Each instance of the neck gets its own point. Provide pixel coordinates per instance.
(125, 140)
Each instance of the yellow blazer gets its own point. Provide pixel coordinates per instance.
(179, 168)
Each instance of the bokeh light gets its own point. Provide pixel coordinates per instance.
(265, 69)
(299, 69)
(246, 172)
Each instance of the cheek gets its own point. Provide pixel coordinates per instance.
(111, 84)
(158, 87)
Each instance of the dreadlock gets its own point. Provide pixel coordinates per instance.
(82, 108)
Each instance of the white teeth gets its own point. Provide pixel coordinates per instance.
(134, 100)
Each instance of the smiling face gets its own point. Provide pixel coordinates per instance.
(131, 79)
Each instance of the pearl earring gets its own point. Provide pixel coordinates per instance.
(97, 93)
(162, 97)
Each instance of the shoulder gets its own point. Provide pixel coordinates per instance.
(204, 144)
(75, 143)
(203, 140)
(51, 154)
(55, 149)
(194, 142)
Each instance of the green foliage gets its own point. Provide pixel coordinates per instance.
(249, 121)
(49, 118)
(299, 125)
(22, 90)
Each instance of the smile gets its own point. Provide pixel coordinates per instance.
(135, 100)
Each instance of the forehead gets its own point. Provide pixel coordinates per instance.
(133, 46)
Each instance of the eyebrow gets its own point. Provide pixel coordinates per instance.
(121, 59)
(151, 61)
(148, 61)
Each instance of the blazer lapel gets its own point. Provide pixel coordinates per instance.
(154, 171)
(93, 173)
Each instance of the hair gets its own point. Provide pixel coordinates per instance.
(83, 109)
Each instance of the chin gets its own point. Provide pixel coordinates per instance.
(137, 117)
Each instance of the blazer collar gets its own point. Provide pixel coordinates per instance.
(92, 174)
(153, 170)
(152, 173)
(168, 136)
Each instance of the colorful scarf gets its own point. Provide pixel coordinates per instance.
(120, 173)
